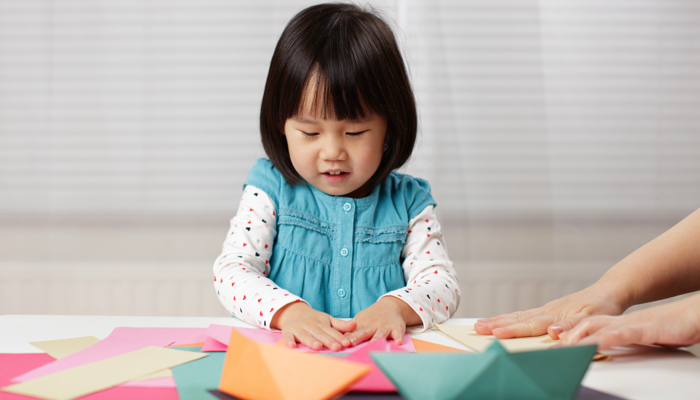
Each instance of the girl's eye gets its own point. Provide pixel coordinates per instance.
(306, 134)
(355, 133)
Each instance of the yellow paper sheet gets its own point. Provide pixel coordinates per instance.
(466, 335)
(166, 373)
(89, 378)
(65, 347)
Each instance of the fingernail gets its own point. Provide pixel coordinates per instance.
(495, 331)
(556, 329)
(481, 322)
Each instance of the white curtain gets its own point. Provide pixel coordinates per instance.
(527, 107)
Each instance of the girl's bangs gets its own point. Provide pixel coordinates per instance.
(332, 95)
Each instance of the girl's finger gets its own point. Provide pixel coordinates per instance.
(342, 325)
(382, 333)
(288, 340)
(309, 340)
(337, 336)
(397, 335)
(361, 335)
(327, 340)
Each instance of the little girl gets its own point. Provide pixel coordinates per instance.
(325, 228)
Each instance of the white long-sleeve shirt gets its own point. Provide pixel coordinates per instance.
(240, 272)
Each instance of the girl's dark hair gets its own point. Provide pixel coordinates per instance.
(359, 70)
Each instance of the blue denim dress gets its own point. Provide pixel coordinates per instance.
(337, 253)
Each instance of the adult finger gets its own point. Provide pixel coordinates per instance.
(531, 327)
(585, 328)
(611, 337)
(486, 326)
(565, 324)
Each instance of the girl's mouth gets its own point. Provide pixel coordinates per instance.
(335, 176)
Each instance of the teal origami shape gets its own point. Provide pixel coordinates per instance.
(494, 374)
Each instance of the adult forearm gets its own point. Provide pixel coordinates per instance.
(667, 266)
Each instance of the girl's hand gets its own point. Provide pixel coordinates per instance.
(301, 323)
(387, 318)
(673, 324)
(555, 317)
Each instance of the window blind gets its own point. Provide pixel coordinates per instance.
(526, 107)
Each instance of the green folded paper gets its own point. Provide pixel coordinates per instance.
(493, 374)
(195, 379)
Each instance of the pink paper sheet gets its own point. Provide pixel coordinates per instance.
(222, 334)
(213, 345)
(375, 380)
(12, 365)
(122, 340)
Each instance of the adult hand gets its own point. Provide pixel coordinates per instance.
(302, 324)
(387, 318)
(672, 324)
(555, 317)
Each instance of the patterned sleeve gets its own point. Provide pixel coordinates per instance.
(240, 272)
(432, 288)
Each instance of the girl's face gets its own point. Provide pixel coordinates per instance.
(336, 157)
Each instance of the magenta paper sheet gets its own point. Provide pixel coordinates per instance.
(375, 380)
(222, 334)
(12, 365)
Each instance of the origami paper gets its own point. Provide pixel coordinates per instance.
(160, 379)
(200, 344)
(65, 347)
(222, 334)
(425, 346)
(466, 335)
(85, 379)
(260, 371)
(348, 396)
(196, 378)
(14, 364)
(132, 393)
(494, 374)
(122, 340)
(375, 380)
(213, 345)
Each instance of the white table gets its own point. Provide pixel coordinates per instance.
(634, 373)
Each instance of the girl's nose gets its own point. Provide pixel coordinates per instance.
(333, 149)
